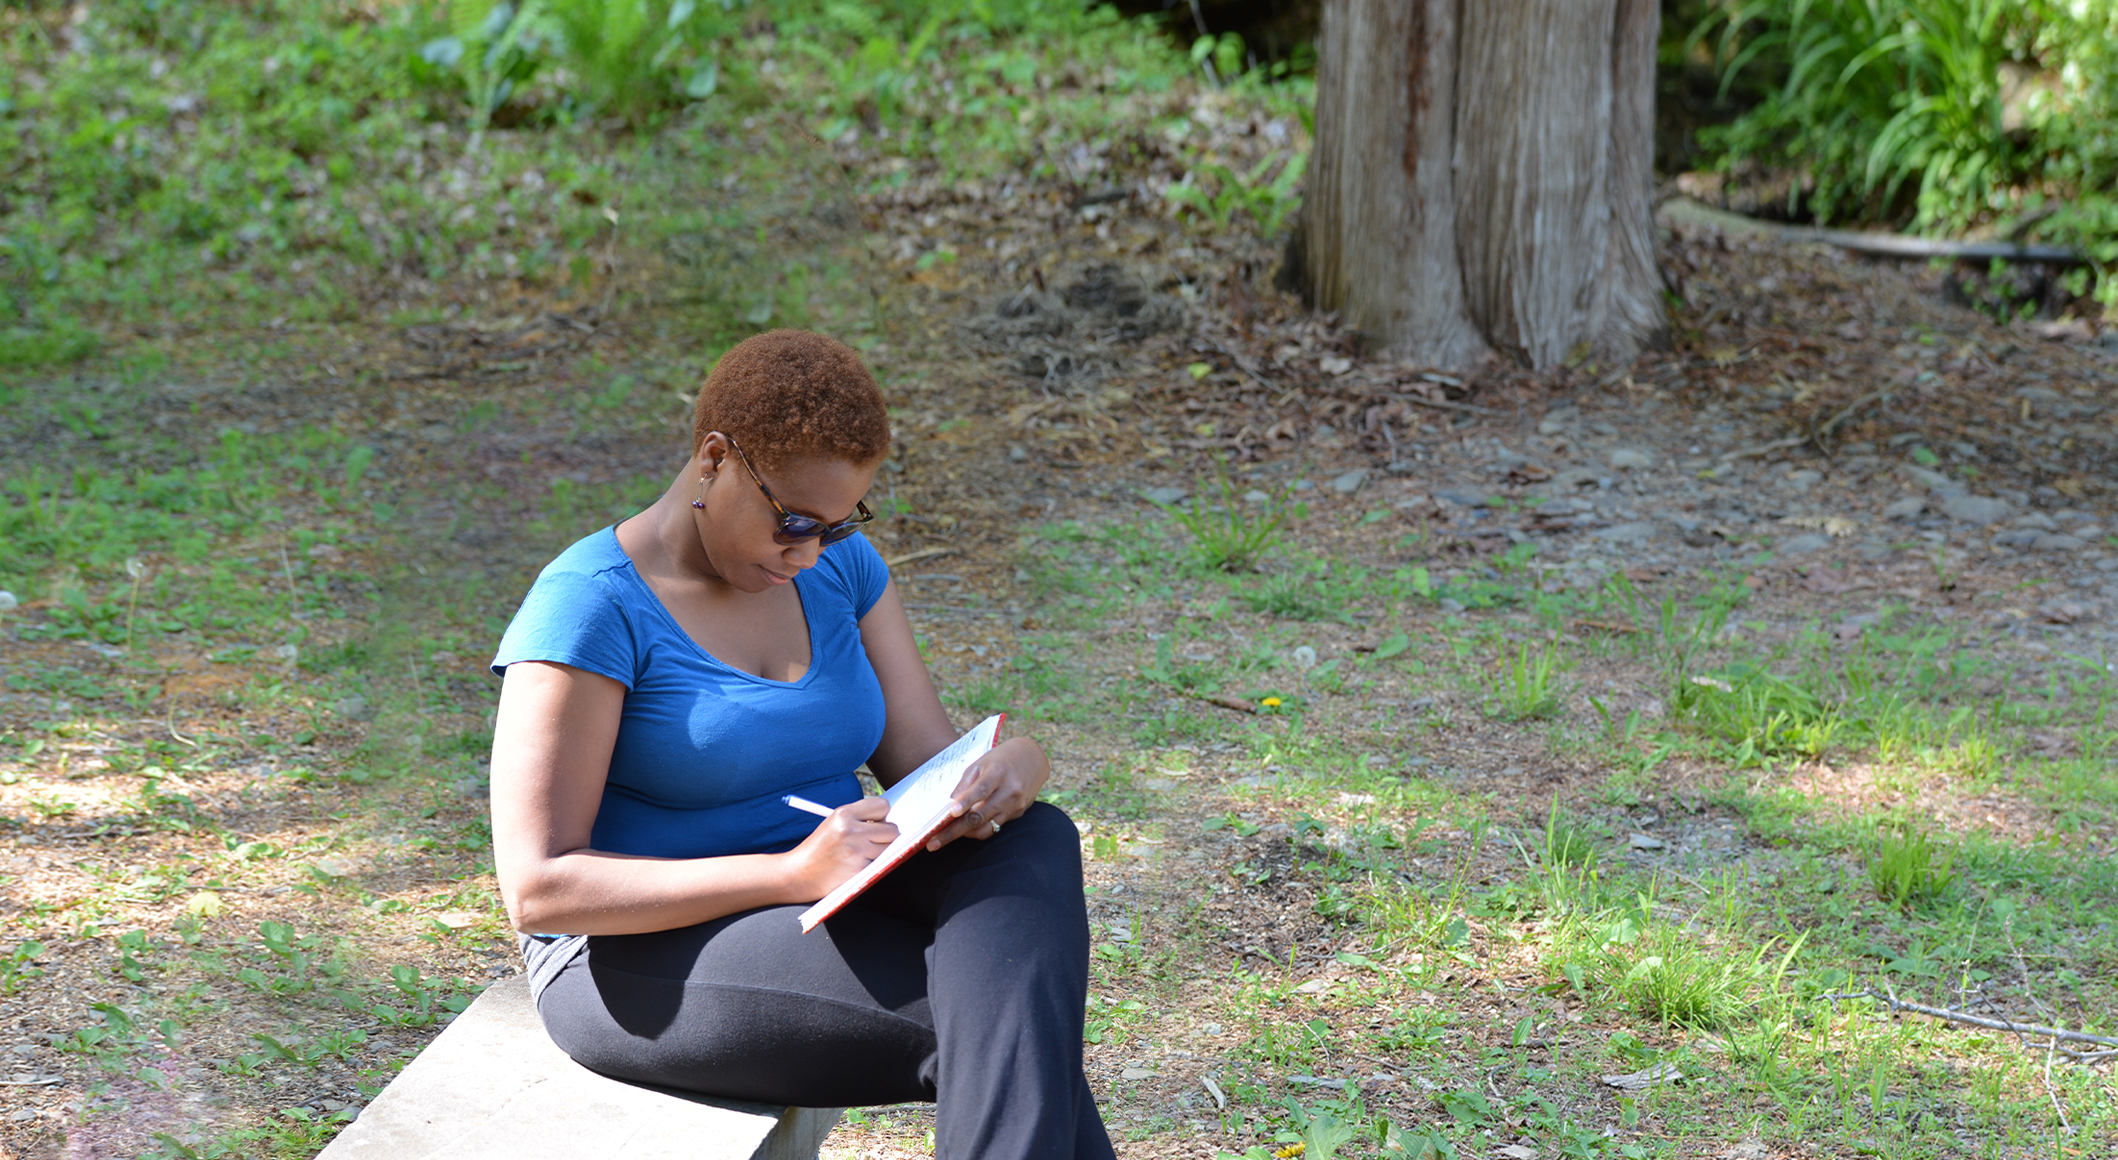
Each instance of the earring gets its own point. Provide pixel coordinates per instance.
(699, 501)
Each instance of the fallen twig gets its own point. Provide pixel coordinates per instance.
(1223, 700)
(1824, 432)
(1242, 364)
(1990, 1023)
(1441, 404)
(1764, 448)
(922, 554)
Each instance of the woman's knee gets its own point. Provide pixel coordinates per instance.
(1048, 820)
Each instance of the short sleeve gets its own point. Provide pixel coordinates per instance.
(571, 618)
(861, 570)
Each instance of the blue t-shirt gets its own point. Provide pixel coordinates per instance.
(704, 750)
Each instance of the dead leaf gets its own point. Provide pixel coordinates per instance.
(1751, 1148)
(1516, 1152)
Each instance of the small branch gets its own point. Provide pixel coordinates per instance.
(1441, 404)
(2058, 1108)
(1825, 431)
(922, 554)
(2029, 1029)
(1222, 700)
(1242, 364)
(1765, 448)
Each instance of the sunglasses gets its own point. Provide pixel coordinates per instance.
(794, 529)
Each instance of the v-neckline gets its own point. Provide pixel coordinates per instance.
(670, 618)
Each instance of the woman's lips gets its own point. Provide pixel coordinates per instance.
(776, 578)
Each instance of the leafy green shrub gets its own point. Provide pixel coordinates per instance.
(1982, 111)
(1870, 94)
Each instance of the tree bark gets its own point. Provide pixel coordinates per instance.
(1482, 177)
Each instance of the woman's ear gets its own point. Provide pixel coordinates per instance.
(712, 452)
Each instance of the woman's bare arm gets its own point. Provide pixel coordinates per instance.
(997, 788)
(915, 725)
(552, 743)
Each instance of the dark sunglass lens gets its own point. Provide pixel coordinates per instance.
(839, 533)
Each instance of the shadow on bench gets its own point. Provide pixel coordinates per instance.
(493, 1085)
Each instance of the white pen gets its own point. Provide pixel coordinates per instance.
(807, 806)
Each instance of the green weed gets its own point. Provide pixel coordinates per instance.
(1522, 684)
(1567, 844)
(1230, 535)
(1760, 715)
(1268, 203)
(19, 966)
(1907, 867)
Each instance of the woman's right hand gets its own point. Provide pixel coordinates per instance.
(853, 836)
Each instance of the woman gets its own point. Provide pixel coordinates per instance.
(667, 682)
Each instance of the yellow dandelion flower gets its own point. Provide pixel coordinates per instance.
(1291, 1151)
(1271, 703)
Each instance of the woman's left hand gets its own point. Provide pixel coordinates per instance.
(996, 790)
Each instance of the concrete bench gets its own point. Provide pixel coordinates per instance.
(493, 1086)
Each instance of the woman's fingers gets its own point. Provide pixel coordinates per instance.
(867, 809)
(1005, 803)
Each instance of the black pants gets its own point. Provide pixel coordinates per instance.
(960, 977)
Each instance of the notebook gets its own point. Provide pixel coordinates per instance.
(919, 808)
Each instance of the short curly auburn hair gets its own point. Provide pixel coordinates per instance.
(787, 394)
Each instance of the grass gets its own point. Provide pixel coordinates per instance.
(1691, 959)
(1908, 868)
(311, 161)
(1521, 684)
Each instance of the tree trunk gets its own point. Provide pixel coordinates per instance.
(1482, 177)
